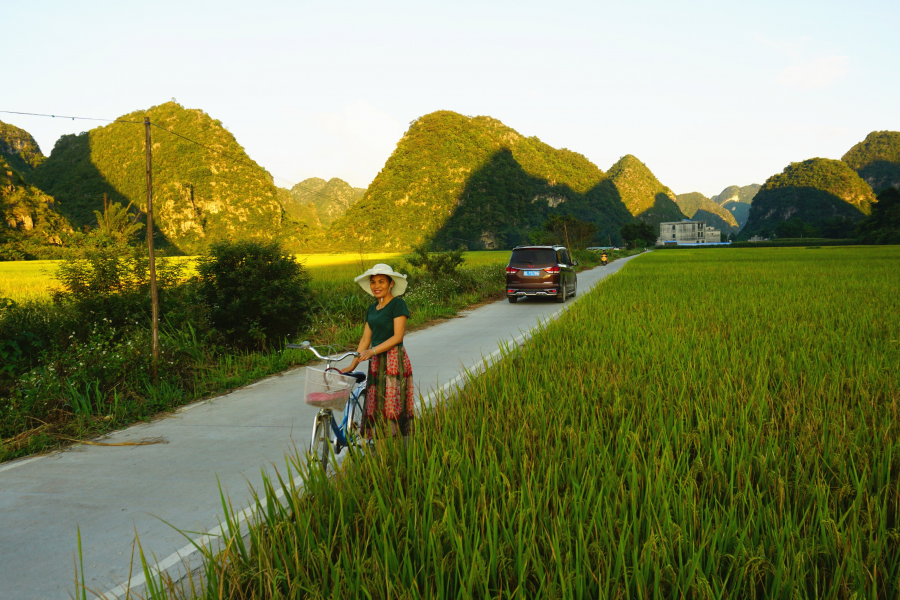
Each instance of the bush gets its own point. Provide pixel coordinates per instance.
(256, 293)
(112, 283)
(441, 270)
(635, 234)
(438, 265)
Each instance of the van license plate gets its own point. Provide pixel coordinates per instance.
(531, 273)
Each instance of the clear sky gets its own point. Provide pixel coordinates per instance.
(707, 94)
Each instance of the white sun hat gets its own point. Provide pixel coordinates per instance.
(383, 269)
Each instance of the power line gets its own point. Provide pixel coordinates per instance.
(233, 157)
(237, 158)
(13, 112)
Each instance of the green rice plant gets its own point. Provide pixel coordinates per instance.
(710, 424)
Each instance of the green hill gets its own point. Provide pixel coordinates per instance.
(19, 149)
(643, 194)
(460, 180)
(201, 193)
(877, 159)
(883, 225)
(813, 191)
(740, 194)
(714, 215)
(31, 226)
(737, 200)
(305, 214)
(330, 198)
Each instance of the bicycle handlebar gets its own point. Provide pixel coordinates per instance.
(308, 346)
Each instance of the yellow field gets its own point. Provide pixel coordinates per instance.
(27, 279)
(34, 280)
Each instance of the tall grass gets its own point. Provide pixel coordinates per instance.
(711, 424)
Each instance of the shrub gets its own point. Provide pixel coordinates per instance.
(438, 265)
(635, 234)
(113, 283)
(257, 294)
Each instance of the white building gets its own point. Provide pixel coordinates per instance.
(687, 232)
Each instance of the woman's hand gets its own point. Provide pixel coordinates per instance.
(352, 366)
(366, 354)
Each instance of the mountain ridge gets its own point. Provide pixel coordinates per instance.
(714, 214)
(330, 198)
(877, 159)
(31, 224)
(19, 148)
(455, 180)
(202, 191)
(646, 198)
(813, 191)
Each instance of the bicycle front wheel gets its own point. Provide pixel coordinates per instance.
(320, 447)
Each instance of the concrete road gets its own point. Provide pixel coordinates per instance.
(113, 493)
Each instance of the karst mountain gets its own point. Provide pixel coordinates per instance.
(877, 159)
(315, 199)
(32, 226)
(818, 191)
(457, 181)
(205, 186)
(700, 208)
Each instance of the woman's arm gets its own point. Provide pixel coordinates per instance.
(394, 340)
(364, 343)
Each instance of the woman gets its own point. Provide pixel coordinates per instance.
(390, 400)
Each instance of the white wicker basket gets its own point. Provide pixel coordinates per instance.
(327, 389)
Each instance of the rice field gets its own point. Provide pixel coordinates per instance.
(709, 424)
(34, 279)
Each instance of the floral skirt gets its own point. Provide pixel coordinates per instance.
(390, 407)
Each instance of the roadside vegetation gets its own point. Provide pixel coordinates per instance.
(75, 354)
(709, 424)
(75, 335)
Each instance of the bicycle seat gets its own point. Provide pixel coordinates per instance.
(359, 376)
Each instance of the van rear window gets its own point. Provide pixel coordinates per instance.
(534, 256)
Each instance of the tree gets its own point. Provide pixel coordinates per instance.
(883, 225)
(437, 265)
(116, 222)
(796, 228)
(637, 233)
(565, 230)
(257, 294)
(113, 283)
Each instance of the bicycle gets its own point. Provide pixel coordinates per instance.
(331, 390)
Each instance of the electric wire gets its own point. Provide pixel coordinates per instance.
(13, 112)
(230, 155)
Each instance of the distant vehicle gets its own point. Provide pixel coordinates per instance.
(546, 271)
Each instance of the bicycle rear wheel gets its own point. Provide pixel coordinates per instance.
(356, 422)
(320, 447)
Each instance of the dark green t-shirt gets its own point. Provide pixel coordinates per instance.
(381, 322)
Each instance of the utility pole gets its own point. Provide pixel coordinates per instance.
(154, 296)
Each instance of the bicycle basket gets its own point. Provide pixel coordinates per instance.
(327, 389)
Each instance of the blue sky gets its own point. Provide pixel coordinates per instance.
(707, 94)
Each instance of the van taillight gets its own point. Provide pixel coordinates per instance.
(553, 270)
(511, 271)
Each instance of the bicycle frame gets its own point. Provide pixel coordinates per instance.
(340, 432)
